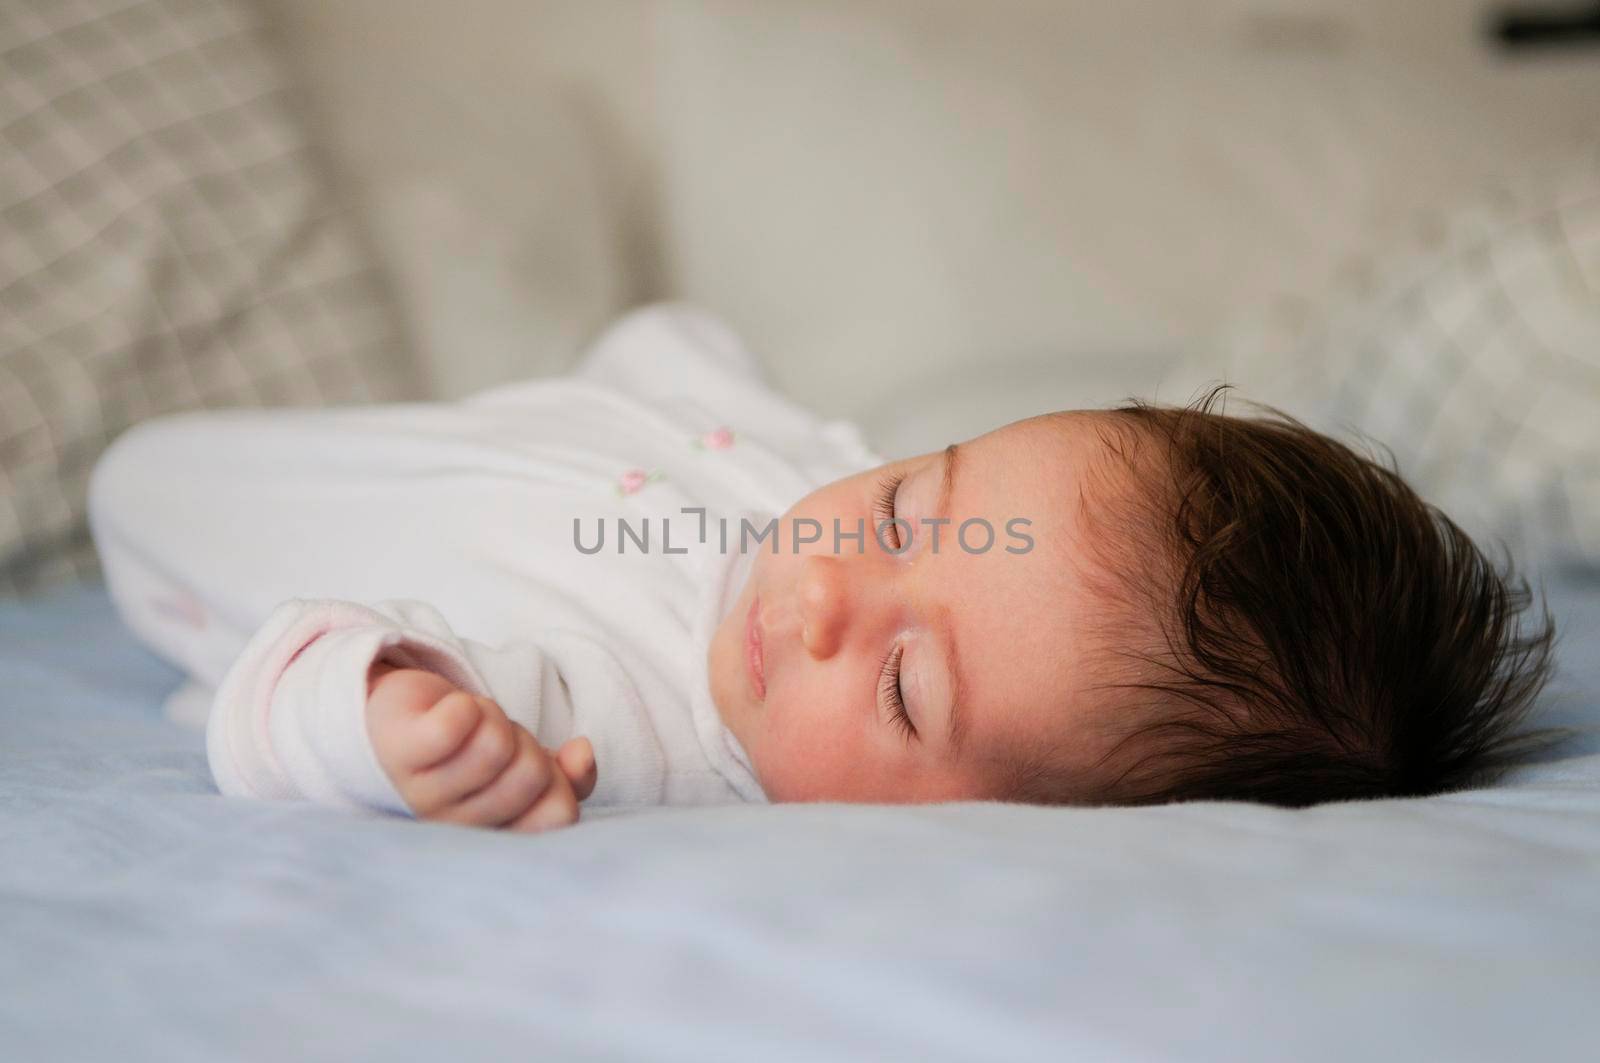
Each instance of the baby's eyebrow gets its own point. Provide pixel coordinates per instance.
(952, 457)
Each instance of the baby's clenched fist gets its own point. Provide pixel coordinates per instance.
(457, 758)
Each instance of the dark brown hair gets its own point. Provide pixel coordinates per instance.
(1325, 633)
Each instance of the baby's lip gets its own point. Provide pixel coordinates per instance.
(755, 649)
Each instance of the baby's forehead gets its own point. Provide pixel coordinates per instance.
(1077, 437)
(1043, 625)
(1088, 472)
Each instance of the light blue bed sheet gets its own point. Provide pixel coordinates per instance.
(143, 917)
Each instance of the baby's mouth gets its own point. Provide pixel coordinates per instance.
(755, 649)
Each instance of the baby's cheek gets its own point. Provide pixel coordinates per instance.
(799, 775)
(818, 756)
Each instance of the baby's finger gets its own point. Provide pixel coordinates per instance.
(489, 750)
(441, 731)
(516, 790)
(576, 759)
(557, 808)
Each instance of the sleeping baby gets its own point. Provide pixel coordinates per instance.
(658, 581)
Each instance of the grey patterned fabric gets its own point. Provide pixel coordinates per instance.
(1477, 363)
(166, 242)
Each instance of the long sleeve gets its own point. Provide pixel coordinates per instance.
(289, 718)
(206, 520)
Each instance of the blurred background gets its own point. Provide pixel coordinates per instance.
(930, 216)
(881, 192)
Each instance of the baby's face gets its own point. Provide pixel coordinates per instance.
(879, 677)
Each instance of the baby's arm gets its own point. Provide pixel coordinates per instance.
(292, 716)
(207, 520)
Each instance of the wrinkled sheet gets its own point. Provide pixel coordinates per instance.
(143, 917)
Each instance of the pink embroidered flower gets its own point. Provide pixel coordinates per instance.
(716, 439)
(634, 479)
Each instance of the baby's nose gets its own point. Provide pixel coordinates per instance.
(824, 605)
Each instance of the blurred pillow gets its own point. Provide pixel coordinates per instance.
(1476, 360)
(166, 242)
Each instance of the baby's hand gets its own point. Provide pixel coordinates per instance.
(457, 758)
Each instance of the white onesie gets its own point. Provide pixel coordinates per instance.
(276, 554)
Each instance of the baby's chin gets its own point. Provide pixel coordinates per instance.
(725, 667)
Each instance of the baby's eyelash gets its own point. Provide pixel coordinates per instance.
(883, 508)
(889, 691)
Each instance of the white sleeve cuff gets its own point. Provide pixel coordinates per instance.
(318, 722)
(289, 719)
